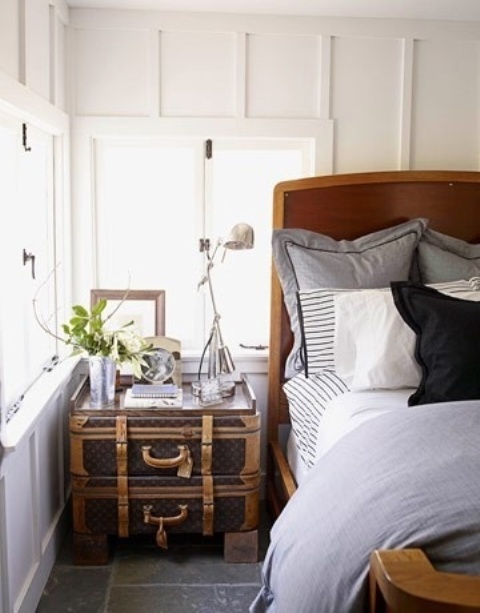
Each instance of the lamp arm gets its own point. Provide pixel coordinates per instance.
(219, 358)
(205, 349)
(210, 288)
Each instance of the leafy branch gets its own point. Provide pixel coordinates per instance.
(91, 333)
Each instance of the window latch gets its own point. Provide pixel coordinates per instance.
(256, 347)
(25, 138)
(204, 244)
(29, 257)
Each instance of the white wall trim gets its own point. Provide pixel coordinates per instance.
(265, 24)
(325, 76)
(35, 401)
(19, 101)
(406, 104)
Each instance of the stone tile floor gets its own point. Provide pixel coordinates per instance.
(191, 576)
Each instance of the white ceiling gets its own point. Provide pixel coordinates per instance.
(457, 10)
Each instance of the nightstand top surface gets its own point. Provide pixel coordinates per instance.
(243, 402)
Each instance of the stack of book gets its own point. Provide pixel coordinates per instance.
(154, 396)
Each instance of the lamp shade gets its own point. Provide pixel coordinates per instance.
(241, 237)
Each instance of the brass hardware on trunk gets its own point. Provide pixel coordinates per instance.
(162, 522)
(122, 475)
(207, 455)
(183, 460)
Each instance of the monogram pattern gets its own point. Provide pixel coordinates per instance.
(101, 514)
(99, 456)
(96, 495)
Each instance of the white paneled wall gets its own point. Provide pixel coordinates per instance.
(197, 74)
(58, 50)
(9, 37)
(34, 489)
(112, 72)
(445, 111)
(37, 51)
(401, 94)
(283, 76)
(366, 103)
(34, 482)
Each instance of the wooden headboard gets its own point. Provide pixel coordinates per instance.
(351, 205)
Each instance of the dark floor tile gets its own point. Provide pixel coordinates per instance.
(75, 589)
(191, 576)
(180, 565)
(182, 599)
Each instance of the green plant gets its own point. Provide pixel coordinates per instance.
(94, 334)
(89, 332)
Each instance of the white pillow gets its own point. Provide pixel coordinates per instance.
(316, 313)
(373, 347)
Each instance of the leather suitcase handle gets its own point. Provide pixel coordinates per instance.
(162, 522)
(183, 460)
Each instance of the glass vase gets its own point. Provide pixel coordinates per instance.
(102, 372)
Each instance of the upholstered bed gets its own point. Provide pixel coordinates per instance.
(374, 386)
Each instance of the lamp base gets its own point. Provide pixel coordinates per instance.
(227, 388)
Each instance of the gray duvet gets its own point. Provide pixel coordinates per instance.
(410, 478)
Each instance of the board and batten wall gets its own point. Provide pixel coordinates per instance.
(34, 472)
(400, 94)
(370, 94)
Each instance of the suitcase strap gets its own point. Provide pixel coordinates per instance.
(122, 474)
(208, 502)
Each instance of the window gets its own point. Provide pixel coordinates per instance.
(27, 252)
(242, 177)
(156, 198)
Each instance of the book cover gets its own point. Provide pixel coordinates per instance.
(160, 390)
(131, 402)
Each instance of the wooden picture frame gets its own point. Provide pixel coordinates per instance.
(145, 307)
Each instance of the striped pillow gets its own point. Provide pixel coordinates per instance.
(307, 400)
(316, 313)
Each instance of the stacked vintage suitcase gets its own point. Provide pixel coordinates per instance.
(161, 471)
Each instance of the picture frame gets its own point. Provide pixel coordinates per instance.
(145, 307)
(173, 346)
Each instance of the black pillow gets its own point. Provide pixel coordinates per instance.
(448, 342)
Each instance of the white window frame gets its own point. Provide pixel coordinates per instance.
(87, 130)
(203, 218)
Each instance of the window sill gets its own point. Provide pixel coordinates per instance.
(34, 403)
(248, 361)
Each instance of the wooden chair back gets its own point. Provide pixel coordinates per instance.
(404, 581)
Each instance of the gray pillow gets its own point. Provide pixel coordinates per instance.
(444, 258)
(307, 260)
